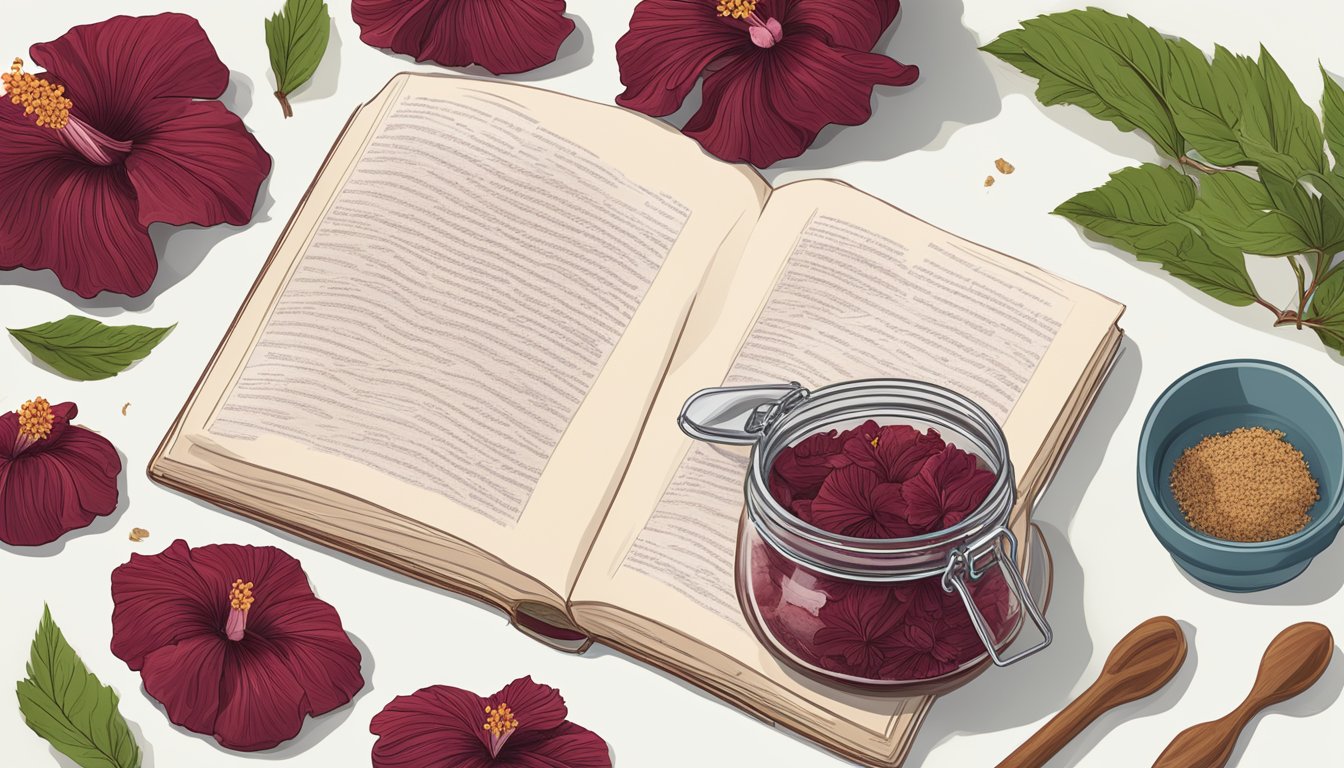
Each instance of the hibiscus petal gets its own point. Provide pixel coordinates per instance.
(536, 707)
(568, 746)
(317, 651)
(435, 727)
(112, 69)
(857, 24)
(37, 504)
(770, 105)
(261, 703)
(194, 162)
(159, 600)
(185, 679)
(26, 145)
(278, 580)
(92, 465)
(668, 46)
(503, 36)
(842, 504)
(80, 222)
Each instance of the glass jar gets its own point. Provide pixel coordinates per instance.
(921, 611)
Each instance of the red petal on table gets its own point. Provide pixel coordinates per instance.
(435, 727)
(195, 163)
(536, 707)
(668, 46)
(770, 104)
(567, 746)
(159, 601)
(261, 702)
(114, 68)
(504, 36)
(857, 24)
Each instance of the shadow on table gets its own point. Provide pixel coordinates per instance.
(1041, 685)
(1322, 580)
(99, 525)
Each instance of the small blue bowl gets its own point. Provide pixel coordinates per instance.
(1218, 398)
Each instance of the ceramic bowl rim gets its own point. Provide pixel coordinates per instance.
(1323, 529)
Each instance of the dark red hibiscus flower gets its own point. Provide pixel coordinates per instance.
(54, 476)
(504, 36)
(232, 641)
(894, 452)
(522, 726)
(949, 486)
(117, 134)
(860, 629)
(776, 71)
(855, 502)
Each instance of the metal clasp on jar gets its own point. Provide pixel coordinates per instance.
(968, 564)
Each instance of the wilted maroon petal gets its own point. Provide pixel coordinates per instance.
(566, 746)
(195, 163)
(504, 36)
(161, 600)
(186, 678)
(771, 104)
(855, 502)
(894, 452)
(948, 487)
(804, 466)
(668, 46)
(858, 628)
(435, 727)
(113, 69)
(261, 703)
(919, 651)
(856, 24)
(109, 250)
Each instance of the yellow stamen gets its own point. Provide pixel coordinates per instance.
(737, 9)
(240, 597)
(35, 419)
(874, 441)
(501, 720)
(37, 96)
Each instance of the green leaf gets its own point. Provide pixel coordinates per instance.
(1139, 209)
(66, 705)
(1326, 315)
(1332, 107)
(1114, 67)
(85, 349)
(1237, 211)
(1278, 130)
(297, 38)
(1207, 100)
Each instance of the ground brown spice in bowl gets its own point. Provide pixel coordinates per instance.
(1246, 485)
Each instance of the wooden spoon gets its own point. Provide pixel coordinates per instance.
(1141, 663)
(1292, 663)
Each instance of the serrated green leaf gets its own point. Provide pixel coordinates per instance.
(297, 39)
(66, 705)
(1139, 209)
(1115, 67)
(1237, 211)
(1332, 109)
(1326, 315)
(1206, 100)
(1278, 130)
(85, 349)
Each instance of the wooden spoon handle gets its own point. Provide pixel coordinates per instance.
(1292, 663)
(1052, 736)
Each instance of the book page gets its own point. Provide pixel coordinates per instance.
(473, 327)
(860, 290)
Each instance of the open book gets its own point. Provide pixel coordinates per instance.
(465, 358)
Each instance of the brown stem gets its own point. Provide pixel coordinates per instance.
(1301, 289)
(283, 98)
(1193, 163)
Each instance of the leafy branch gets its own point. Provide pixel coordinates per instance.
(1250, 173)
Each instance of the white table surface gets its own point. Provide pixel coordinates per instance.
(927, 149)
